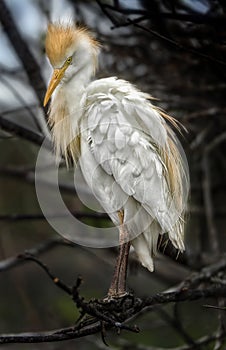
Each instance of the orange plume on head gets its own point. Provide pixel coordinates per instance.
(61, 37)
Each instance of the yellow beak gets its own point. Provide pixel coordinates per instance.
(55, 80)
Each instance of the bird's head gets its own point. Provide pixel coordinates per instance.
(71, 50)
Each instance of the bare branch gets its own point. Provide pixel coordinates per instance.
(98, 308)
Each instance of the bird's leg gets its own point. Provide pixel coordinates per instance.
(118, 284)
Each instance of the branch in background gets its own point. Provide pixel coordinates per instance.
(208, 204)
(26, 134)
(31, 257)
(199, 344)
(179, 45)
(23, 102)
(28, 217)
(176, 324)
(205, 274)
(25, 55)
(15, 217)
(9, 263)
(164, 246)
(118, 23)
(28, 107)
(45, 247)
(28, 174)
(107, 14)
(177, 16)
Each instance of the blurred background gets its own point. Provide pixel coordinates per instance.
(174, 50)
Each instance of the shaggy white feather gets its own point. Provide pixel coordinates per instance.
(123, 140)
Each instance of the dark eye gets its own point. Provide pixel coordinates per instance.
(69, 59)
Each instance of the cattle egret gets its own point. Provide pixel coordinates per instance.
(128, 152)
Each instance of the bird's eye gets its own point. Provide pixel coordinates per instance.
(69, 59)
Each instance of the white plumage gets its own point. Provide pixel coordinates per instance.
(128, 153)
(124, 130)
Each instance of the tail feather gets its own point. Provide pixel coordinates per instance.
(145, 245)
(176, 235)
(143, 252)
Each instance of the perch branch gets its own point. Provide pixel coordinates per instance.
(116, 313)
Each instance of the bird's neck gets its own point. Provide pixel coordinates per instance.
(65, 113)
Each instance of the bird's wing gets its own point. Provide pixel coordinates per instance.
(125, 134)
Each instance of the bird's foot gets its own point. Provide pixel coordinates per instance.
(116, 296)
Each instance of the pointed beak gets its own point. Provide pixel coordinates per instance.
(55, 80)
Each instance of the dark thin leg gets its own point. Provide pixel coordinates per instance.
(118, 284)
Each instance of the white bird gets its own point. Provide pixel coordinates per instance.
(128, 152)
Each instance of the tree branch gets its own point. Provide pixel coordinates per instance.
(117, 312)
(98, 308)
(25, 55)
